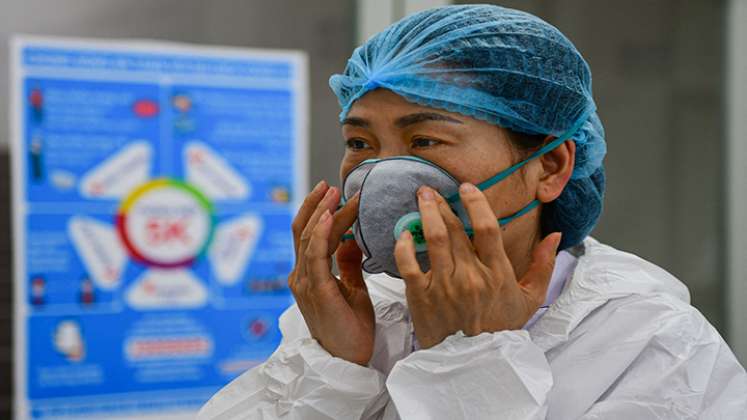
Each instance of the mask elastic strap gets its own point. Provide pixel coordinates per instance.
(504, 221)
(500, 176)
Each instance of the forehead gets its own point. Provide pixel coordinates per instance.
(384, 109)
(384, 104)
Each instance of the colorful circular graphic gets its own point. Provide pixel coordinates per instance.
(166, 223)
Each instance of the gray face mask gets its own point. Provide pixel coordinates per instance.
(389, 204)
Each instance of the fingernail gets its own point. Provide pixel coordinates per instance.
(324, 217)
(329, 193)
(427, 194)
(405, 235)
(467, 188)
(318, 185)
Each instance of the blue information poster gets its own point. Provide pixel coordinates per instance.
(154, 188)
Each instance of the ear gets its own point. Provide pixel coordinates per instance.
(557, 168)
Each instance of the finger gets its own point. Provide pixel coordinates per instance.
(315, 254)
(538, 275)
(307, 209)
(407, 264)
(354, 288)
(342, 221)
(349, 257)
(487, 237)
(328, 203)
(436, 234)
(461, 247)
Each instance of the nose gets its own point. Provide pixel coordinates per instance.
(393, 147)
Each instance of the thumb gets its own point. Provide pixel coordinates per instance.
(537, 278)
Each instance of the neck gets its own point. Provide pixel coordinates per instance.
(520, 238)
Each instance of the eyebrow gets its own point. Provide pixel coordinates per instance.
(355, 121)
(424, 116)
(406, 120)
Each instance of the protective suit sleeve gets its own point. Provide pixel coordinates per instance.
(683, 369)
(645, 359)
(496, 375)
(300, 380)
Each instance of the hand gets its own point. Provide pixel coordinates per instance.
(339, 314)
(471, 285)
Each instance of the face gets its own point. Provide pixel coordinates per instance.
(382, 124)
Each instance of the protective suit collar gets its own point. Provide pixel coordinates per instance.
(601, 274)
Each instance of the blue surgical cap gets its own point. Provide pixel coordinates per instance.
(503, 66)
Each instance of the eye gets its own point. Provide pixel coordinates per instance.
(421, 142)
(356, 144)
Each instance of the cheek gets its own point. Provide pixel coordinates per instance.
(344, 170)
(346, 164)
(507, 196)
(502, 198)
(478, 160)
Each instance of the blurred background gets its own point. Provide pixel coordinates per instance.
(667, 81)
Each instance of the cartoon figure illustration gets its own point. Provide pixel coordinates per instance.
(280, 194)
(183, 123)
(36, 100)
(38, 290)
(36, 150)
(182, 102)
(87, 295)
(68, 341)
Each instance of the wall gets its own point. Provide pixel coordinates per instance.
(736, 165)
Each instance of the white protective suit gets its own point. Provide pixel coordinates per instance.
(620, 342)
